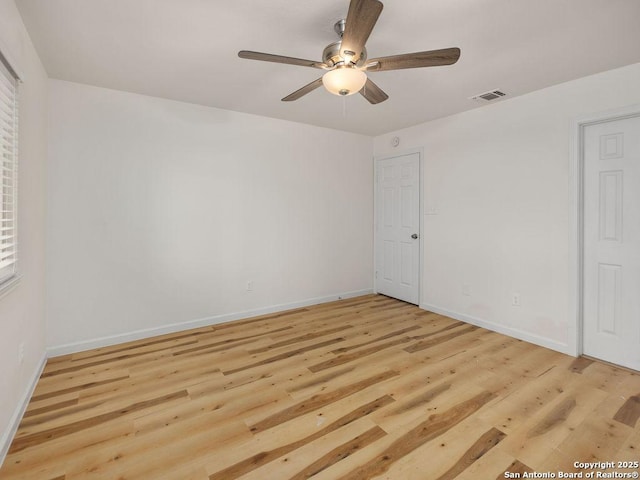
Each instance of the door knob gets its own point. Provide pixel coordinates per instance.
(414, 236)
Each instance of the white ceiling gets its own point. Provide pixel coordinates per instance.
(187, 50)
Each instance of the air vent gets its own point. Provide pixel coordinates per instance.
(488, 96)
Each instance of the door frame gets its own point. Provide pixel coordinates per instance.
(576, 217)
(387, 156)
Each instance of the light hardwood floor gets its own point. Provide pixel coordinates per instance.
(363, 388)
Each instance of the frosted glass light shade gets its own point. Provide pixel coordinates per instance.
(344, 80)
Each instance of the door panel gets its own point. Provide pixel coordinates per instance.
(611, 284)
(397, 219)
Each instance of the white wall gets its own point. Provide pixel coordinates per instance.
(22, 308)
(498, 179)
(160, 212)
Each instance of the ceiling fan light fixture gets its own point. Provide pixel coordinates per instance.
(344, 80)
(345, 61)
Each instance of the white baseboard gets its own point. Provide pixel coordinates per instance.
(12, 428)
(80, 346)
(512, 332)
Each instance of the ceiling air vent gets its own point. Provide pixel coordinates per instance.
(488, 96)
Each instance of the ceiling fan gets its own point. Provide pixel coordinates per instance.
(346, 60)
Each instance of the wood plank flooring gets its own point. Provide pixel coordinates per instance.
(363, 388)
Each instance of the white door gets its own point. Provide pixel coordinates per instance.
(611, 295)
(398, 227)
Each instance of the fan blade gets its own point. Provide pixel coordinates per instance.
(373, 93)
(268, 57)
(432, 58)
(361, 18)
(310, 87)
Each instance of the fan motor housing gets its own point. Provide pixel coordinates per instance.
(331, 55)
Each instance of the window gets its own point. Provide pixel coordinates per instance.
(8, 172)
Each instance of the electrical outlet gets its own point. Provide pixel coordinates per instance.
(466, 290)
(250, 286)
(515, 300)
(21, 353)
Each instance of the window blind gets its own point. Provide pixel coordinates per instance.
(8, 172)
